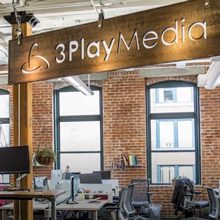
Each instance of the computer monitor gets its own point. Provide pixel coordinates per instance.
(90, 178)
(70, 174)
(56, 178)
(14, 160)
(105, 174)
(74, 182)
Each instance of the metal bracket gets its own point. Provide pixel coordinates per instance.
(207, 4)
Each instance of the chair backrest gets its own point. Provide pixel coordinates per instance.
(141, 190)
(121, 212)
(213, 203)
(182, 194)
(127, 204)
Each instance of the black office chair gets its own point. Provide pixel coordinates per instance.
(183, 198)
(126, 210)
(213, 203)
(142, 201)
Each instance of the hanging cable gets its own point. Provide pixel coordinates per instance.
(93, 4)
(99, 13)
(19, 34)
(4, 52)
(89, 81)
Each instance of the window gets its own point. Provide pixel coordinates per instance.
(167, 173)
(173, 137)
(78, 130)
(4, 126)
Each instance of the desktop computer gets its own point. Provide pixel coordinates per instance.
(56, 178)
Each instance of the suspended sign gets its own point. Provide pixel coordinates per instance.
(185, 31)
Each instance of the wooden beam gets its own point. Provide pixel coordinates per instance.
(185, 31)
(22, 103)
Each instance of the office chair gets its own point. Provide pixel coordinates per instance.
(213, 203)
(183, 198)
(126, 209)
(142, 201)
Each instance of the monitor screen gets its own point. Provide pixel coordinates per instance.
(105, 175)
(14, 160)
(70, 174)
(91, 178)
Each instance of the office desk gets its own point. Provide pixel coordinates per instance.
(83, 206)
(51, 195)
(37, 206)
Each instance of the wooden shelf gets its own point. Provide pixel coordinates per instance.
(127, 166)
(138, 165)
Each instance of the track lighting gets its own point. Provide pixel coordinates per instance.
(77, 83)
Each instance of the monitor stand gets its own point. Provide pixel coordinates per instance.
(71, 199)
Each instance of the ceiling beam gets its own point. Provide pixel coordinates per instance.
(161, 72)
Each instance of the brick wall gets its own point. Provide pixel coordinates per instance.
(42, 121)
(124, 122)
(124, 128)
(210, 136)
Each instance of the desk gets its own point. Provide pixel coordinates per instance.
(36, 206)
(194, 218)
(83, 205)
(51, 195)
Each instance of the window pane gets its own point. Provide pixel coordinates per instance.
(167, 173)
(172, 133)
(76, 103)
(4, 178)
(80, 136)
(166, 131)
(186, 134)
(84, 163)
(162, 134)
(4, 103)
(187, 171)
(4, 135)
(167, 100)
(170, 159)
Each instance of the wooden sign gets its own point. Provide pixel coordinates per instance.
(178, 32)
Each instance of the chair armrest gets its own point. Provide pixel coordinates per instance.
(137, 204)
(112, 208)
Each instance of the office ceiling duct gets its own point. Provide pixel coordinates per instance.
(211, 79)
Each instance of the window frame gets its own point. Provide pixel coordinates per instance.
(6, 121)
(75, 118)
(175, 115)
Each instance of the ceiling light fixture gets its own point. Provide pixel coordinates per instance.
(77, 83)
